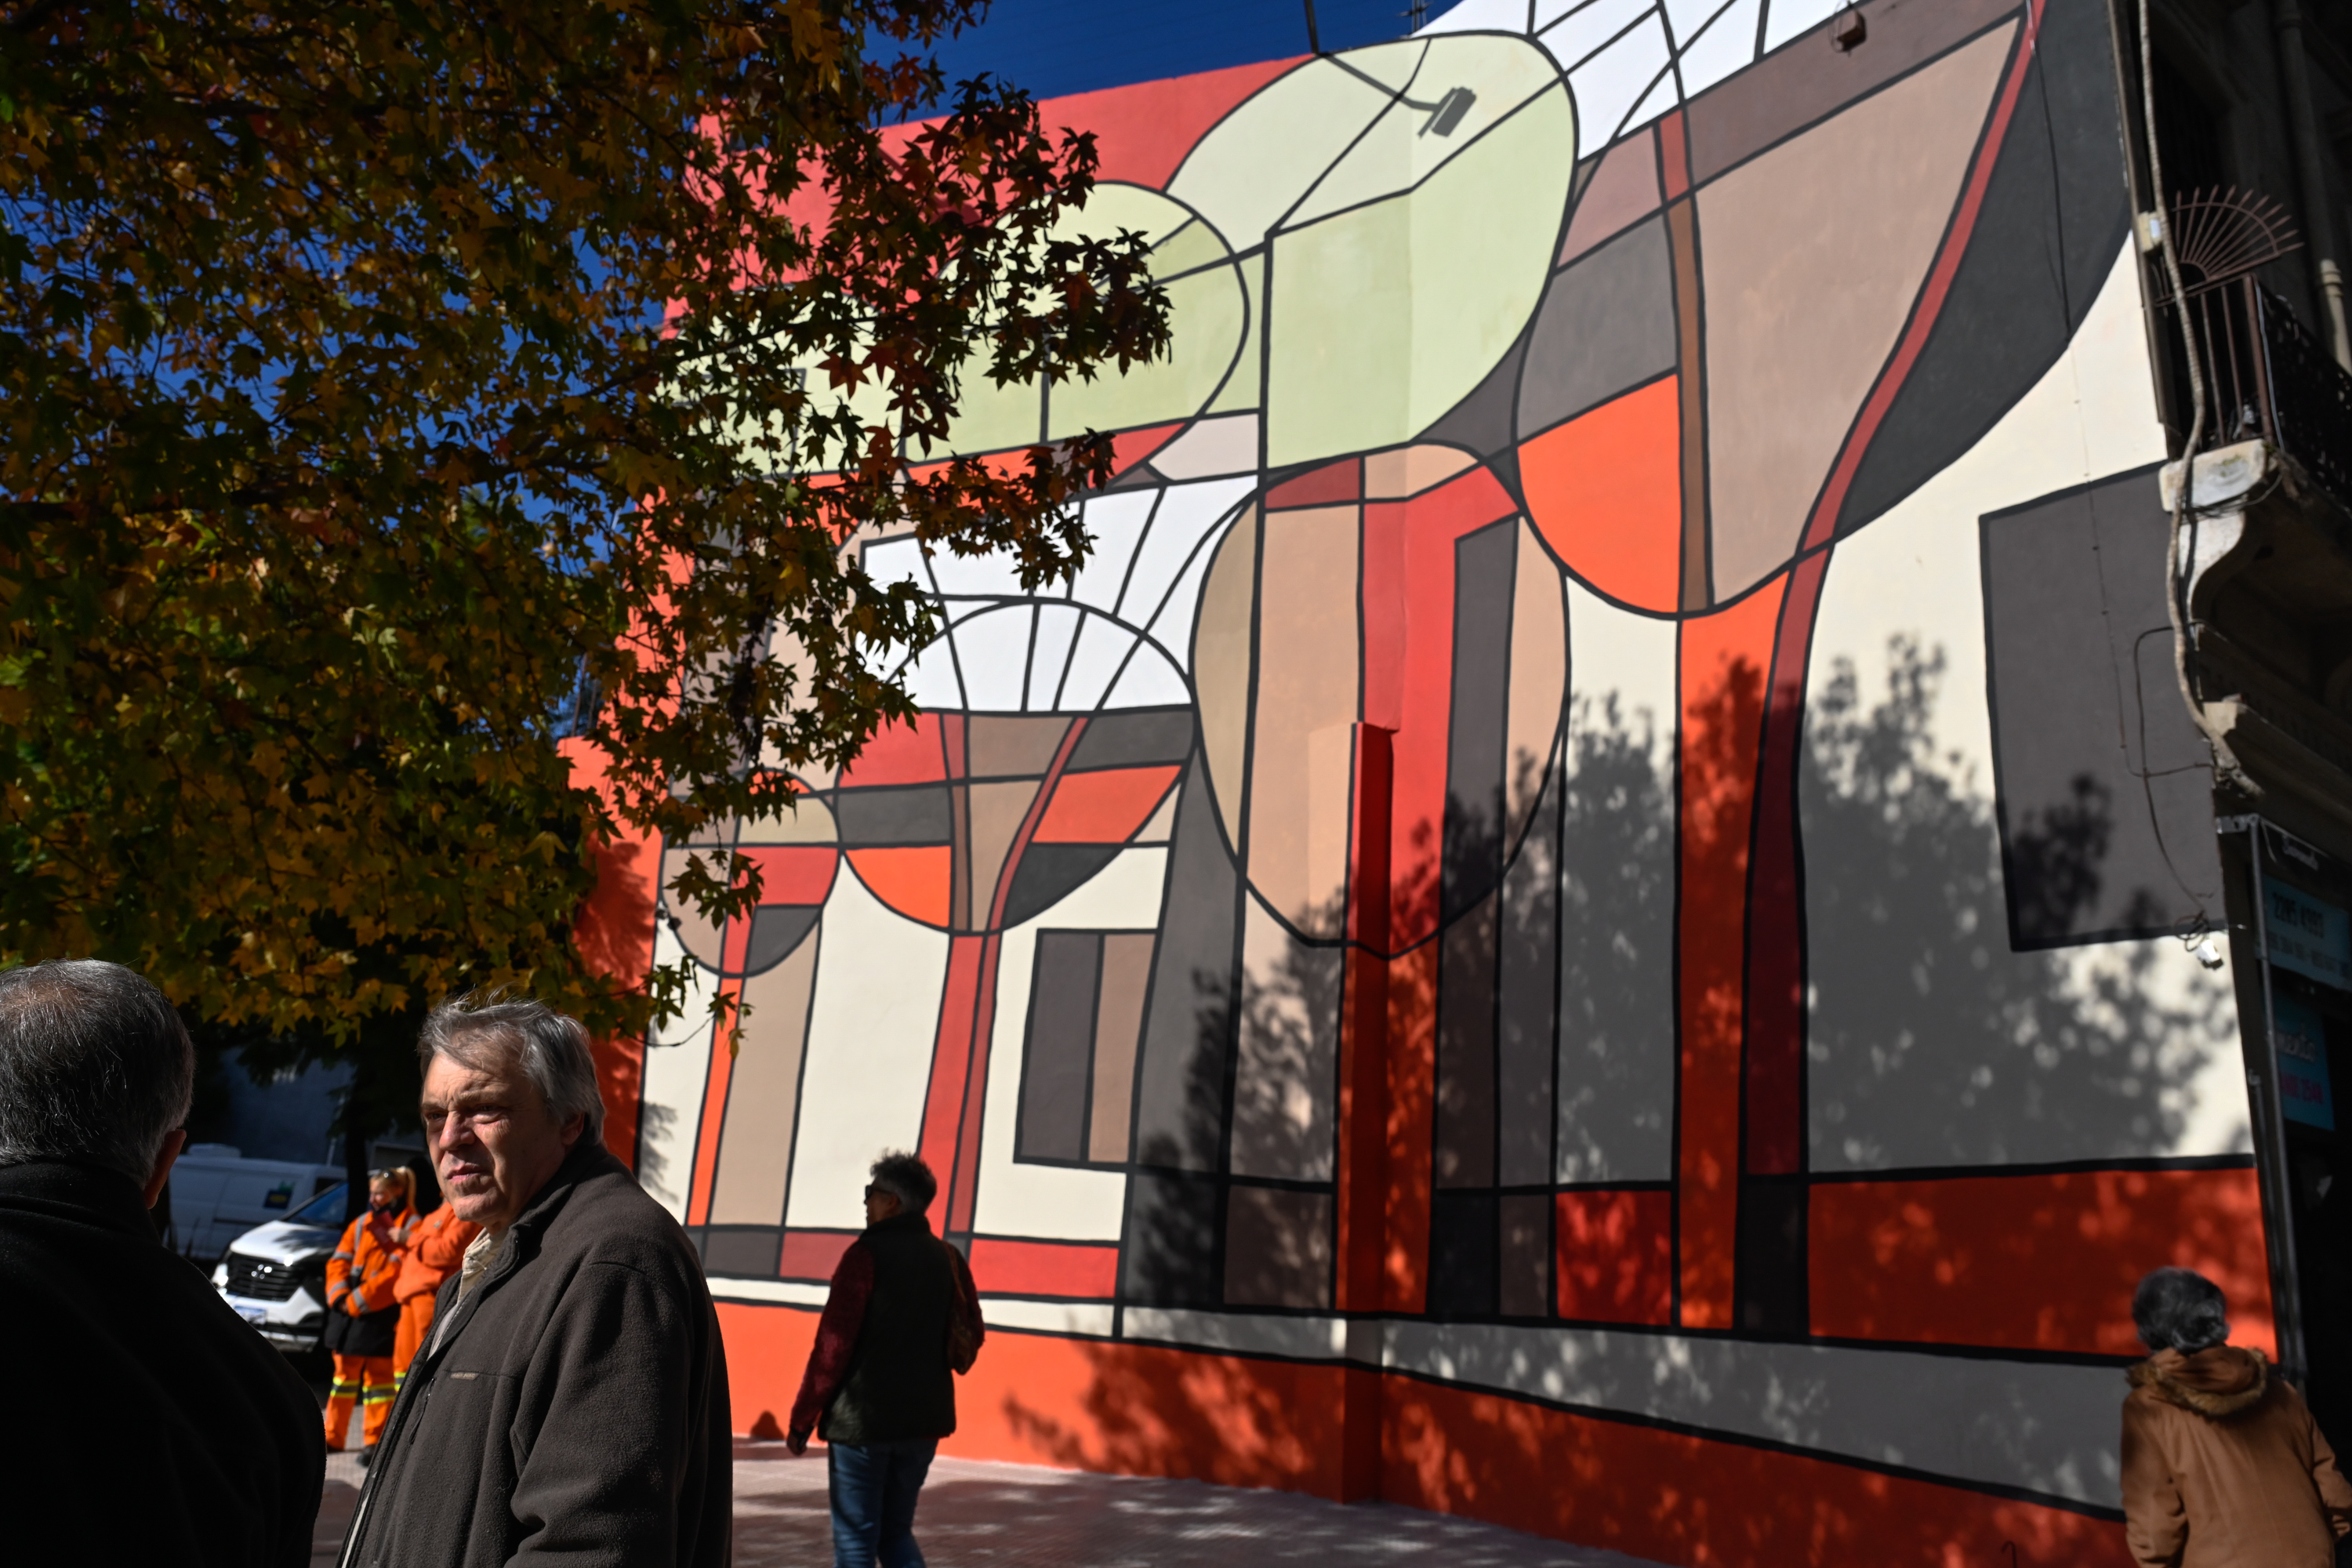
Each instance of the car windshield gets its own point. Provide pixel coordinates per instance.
(326, 1209)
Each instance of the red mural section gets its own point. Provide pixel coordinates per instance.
(1663, 1495)
(1724, 656)
(1616, 1256)
(2031, 1262)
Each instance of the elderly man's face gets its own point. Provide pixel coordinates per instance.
(495, 1141)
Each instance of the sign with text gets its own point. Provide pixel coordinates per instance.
(2299, 1037)
(2308, 935)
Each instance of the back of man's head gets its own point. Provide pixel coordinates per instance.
(94, 1065)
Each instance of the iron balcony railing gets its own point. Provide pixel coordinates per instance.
(2269, 378)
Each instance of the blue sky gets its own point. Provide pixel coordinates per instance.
(1054, 46)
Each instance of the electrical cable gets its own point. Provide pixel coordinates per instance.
(2176, 597)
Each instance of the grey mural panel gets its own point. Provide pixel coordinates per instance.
(1188, 1024)
(1607, 325)
(1285, 1084)
(1530, 956)
(1054, 1103)
(2104, 796)
(1616, 1062)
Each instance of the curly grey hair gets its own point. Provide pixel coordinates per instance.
(2179, 1310)
(489, 1030)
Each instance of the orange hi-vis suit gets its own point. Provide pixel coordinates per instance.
(360, 1278)
(435, 1248)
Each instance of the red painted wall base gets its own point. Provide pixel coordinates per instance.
(1351, 1434)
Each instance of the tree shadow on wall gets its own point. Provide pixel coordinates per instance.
(1932, 1041)
(1616, 946)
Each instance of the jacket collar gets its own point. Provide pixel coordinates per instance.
(586, 1160)
(2190, 1382)
(77, 1189)
(920, 1220)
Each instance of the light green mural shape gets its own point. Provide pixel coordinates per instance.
(1352, 250)
(1209, 316)
(1208, 310)
(1408, 199)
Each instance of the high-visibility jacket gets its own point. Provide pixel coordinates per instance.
(436, 1245)
(360, 1273)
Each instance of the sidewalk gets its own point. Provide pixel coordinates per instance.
(990, 1515)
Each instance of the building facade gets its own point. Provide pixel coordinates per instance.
(1587, 913)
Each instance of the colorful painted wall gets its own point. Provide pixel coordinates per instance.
(1572, 921)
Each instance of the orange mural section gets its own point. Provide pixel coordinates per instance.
(2034, 1262)
(1724, 657)
(1677, 1498)
(1605, 490)
(615, 934)
(1102, 807)
(915, 882)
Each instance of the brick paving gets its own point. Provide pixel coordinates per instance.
(998, 1516)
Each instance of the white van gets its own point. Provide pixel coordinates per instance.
(217, 1196)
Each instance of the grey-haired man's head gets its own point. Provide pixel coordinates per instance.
(95, 1066)
(510, 1090)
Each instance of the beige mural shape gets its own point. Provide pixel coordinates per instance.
(763, 1093)
(1814, 253)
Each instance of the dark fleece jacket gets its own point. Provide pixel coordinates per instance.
(141, 1420)
(576, 1407)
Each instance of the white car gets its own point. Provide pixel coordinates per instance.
(276, 1275)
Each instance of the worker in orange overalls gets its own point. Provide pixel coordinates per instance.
(362, 1319)
(435, 1246)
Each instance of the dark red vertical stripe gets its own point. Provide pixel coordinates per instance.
(1776, 967)
(1363, 1033)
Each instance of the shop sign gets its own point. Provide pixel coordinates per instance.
(2299, 1036)
(2310, 936)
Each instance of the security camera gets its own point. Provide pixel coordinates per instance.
(2206, 953)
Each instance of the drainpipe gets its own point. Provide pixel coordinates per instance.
(2303, 122)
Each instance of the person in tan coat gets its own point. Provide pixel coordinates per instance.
(2222, 1463)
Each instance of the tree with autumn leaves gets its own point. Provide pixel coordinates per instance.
(428, 449)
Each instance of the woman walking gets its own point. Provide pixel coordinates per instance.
(2223, 1465)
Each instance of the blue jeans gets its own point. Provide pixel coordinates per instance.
(874, 1490)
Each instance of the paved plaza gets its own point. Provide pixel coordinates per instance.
(995, 1516)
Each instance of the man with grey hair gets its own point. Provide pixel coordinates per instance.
(570, 1400)
(120, 1347)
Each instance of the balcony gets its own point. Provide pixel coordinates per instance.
(2270, 380)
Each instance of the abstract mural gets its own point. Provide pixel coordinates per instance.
(1561, 915)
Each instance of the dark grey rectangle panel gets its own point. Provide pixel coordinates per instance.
(919, 814)
(2105, 792)
(1188, 1024)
